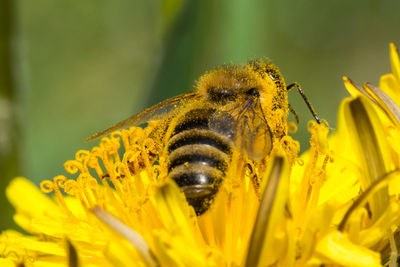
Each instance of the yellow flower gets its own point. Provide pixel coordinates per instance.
(336, 205)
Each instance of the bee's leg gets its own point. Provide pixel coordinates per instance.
(294, 114)
(254, 177)
(295, 84)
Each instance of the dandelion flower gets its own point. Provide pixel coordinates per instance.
(335, 205)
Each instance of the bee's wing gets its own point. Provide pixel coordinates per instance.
(154, 113)
(247, 127)
(254, 136)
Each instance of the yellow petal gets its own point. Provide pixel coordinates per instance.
(391, 86)
(29, 202)
(371, 236)
(173, 211)
(268, 240)
(385, 103)
(6, 263)
(177, 243)
(338, 249)
(134, 238)
(360, 201)
(174, 250)
(121, 253)
(395, 61)
(365, 132)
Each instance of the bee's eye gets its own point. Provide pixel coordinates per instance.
(253, 92)
(224, 92)
(221, 95)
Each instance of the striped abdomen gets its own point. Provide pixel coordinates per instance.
(199, 157)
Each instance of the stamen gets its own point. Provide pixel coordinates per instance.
(292, 127)
(47, 186)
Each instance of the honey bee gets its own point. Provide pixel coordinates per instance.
(234, 107)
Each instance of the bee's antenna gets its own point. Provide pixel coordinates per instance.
(291, 109)
(295, 84)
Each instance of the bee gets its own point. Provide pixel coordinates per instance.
(240, 108)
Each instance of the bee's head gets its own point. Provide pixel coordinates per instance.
(257, 86)
(257, 79)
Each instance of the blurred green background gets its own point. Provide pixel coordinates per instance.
(71, 68)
